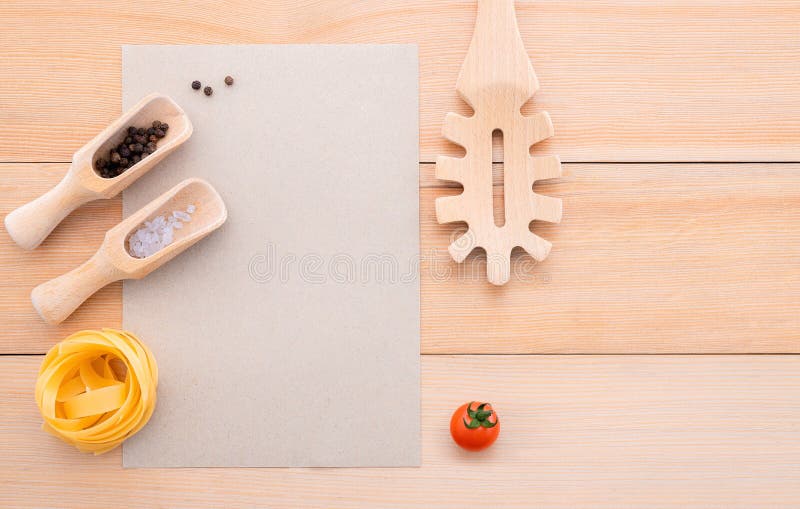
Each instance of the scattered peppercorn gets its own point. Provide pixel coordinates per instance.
(196, 85)
(138, 144)
(229, 80)
(208, 91)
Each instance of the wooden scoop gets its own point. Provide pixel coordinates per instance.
(56, 299)
(30, 224)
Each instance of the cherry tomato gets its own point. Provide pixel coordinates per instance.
(475, 426)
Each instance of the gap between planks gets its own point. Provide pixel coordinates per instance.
(582, 354)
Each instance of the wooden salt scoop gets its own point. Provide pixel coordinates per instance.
(31, 223)
(56, 299)
(496, 79)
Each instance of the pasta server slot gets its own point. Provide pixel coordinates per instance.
(56, 299)
(31, 223)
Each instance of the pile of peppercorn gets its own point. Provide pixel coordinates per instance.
(138, 144)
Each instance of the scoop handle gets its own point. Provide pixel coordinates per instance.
(56, 299)
(31, 223)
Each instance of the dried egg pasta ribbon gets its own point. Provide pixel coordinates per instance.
(97, 388)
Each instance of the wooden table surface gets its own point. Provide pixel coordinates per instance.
(648, 362)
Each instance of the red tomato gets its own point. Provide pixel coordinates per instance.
(475, 426)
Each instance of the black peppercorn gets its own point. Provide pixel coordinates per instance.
(228, 80)
(208, 91)
(138, 143)
(196, 85)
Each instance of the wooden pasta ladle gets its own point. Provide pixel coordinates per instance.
(56, 299)
(31, 223)
(496, 80)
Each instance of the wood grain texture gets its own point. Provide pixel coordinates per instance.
(624, 80)
(58, 298)
(579, 431)
(70, 244)
(30, 224)
(496, 80)
(648, 259)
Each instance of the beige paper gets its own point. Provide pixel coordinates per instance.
(290, 337)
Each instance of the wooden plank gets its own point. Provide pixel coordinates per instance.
(648, 259)
(578, 431)
(624, 80)
(70, 244)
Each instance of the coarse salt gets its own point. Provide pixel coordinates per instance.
(183, 216)
(158, 233)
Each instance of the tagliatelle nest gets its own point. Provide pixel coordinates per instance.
(97, 388)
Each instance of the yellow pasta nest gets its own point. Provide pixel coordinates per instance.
(97, 388)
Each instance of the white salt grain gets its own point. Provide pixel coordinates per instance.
(158, 233)
(183, 216)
